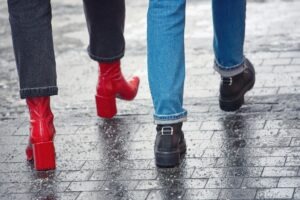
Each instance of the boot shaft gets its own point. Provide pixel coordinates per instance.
(111, 82)
(39, 107)
(41, 119)
(110, 69)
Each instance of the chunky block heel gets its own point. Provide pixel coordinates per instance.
(106, 106)
(44, 156)
(167, 159)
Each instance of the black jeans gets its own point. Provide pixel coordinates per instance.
(33, 43)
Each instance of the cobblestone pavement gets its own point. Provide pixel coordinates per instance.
(253, 153)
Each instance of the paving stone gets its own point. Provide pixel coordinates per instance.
(210, 172)
(289, 54)
(296, 61)
(237, 194)
(99, 175)
(46, 186)
(292, 161)
(165, 194)
(244, 171)
(275, 193)
(289, 182)
(103, 195)
(85, 186)
(260, 182)
(198, 162)
(7, 188)
(194, 194)
(15, 177)
(297, 193)
(280, 171)
(12, 196)
(117, 185)
(15, 167)
(278, 61)
(149, 185)
(69, 164)
(74, 175)
(224, 183)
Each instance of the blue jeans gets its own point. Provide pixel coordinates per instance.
(166, 59)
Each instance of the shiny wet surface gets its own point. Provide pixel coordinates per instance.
(253, 153)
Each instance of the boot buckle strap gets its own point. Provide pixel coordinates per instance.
(167, 130)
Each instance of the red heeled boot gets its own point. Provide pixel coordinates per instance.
(112, 85)
(41, 148)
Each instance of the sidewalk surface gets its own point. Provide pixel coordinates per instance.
(253, 153)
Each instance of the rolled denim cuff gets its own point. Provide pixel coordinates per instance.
(106, 59)
(231, 70)
(38, 92)
(170, 119)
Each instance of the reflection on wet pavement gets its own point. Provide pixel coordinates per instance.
(253, 153)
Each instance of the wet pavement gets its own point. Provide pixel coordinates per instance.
(253, 153)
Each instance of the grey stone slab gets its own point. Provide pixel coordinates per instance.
(275, 193)
(74, 175)
(201, 194)
(224, 183)
(237, 194)
(280, 171)
(289, 182)
(165, 194)
(103, 195)
(260, 182)
(85, 186)
(210, 172)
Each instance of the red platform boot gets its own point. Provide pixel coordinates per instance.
(41, 148)
(112, 85)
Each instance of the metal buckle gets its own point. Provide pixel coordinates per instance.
(227, 81)
(167, 130)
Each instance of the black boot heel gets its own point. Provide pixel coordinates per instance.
(233, 105)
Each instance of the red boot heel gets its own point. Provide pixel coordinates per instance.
(106, 106)
(44, 156)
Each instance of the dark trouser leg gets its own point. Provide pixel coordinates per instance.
(33, 46)
(105, 22)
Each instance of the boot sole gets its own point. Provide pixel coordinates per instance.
(169, 159)
(234, 104)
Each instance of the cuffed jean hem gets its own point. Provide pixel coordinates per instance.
(230, 71)
(170, 119)
(38, 92)
(102, 59)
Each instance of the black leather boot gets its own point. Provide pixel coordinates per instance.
(233, 89)
(169, 145)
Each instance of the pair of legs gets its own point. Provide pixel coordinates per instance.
(34, 52)
(33, 42)
(166, 64)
